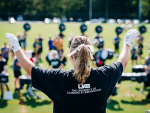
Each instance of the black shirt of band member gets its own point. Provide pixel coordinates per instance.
(69, 97)
(54, 62)
(2, 64)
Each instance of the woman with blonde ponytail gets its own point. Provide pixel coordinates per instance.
(82, 89)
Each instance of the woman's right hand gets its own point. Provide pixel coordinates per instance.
(130, 36)
(13, 40)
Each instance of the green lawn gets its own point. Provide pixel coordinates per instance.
(119, 103)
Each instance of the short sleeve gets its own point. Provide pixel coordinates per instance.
(113, 71)
(110, 74)
(1, 49)
(40, 78)
(61, 62)
(44, 79)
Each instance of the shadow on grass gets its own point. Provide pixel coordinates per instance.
(16, 95)
(146, 100)
(3, 103)
(146, 89)
(33, 103)
(133, 102)
(112, 105)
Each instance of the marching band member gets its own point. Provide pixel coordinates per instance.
(17, 73)
(3, 68)
(41, 44)
(37, 49)
(50, 43)
(134, 55)
(23, 40)
(58, 43)
(19, 39)
(140, 50)
(63, 59)
(140, 37)
(5, 52)
(116, 42)
(147, 70)
(54, 61)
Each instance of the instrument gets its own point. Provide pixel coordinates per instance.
(28, 53)
(62, 27)
(24, 80)
(26, 27)
(139, 77)
(29, 91)
(4, 78)
(138, 68)
(83, 28)
(98, 29)
(118, 30)
(107, 54)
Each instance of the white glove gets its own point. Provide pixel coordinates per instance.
(130, 36)
(13, 40)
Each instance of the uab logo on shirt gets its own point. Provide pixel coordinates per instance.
(84, 86)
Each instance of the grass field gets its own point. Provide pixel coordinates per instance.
(119, 103)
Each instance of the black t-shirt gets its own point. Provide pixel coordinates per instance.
(140, 48)
(69, 97)
(64, 61)
(55, 63)
(2, 64)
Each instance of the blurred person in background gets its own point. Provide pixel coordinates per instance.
(19, 39)
(23, 40)
(147, 70)
(63, 59)
(12, 57)
(5, 51)
(98, 41)
(134, 55)
(41, 43)
(70, 39)
(116, 42)
(140, 50)
(54, 61)
(37, 49)
(140, 37)
(97, 36)
(3, 70)
(61, 35)
(58, 43)
(50, 43)
(17, 73)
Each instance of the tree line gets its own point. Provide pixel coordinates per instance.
(40, 9)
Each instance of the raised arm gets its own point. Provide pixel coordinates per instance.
(25, 63)
(128, 40)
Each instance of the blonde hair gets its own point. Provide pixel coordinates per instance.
(82, 59)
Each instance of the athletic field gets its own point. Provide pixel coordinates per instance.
(128, 100)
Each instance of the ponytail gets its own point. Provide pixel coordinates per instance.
(82, 59)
